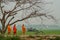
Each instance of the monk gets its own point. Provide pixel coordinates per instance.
(9, 29)
(14, 29)
(23, 29)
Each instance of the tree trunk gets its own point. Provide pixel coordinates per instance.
(3, 24)
(3, 27)
(3, 31)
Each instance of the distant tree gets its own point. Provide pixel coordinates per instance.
(6, 14)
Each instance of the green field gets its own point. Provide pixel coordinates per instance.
(52, 32)
(46, 32)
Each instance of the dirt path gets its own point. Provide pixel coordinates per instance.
(36, 37)
(39, 37)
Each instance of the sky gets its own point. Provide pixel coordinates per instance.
(54, 7)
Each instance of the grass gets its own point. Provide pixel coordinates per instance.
(9, 38)
(46, 32)
(52, 32)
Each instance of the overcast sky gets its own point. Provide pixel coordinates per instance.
(55, 7)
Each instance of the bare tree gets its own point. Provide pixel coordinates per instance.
(13, 12)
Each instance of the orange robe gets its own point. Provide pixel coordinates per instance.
(14, 29)
(23, 29)
(9, 29)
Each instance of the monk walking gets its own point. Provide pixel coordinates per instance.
(14, 29)
(23, 29)
(9, 29)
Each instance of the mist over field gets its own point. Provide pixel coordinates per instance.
(41, 27)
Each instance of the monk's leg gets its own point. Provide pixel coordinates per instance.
(23, 33)
(8, 33)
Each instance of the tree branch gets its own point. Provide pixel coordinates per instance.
(7, 16)
(29, 16)
(52, 17)
(9, 22)
(27, 7)
(0, 19)
(22, 19)
(1, 8)
(11, 19)
(0, 30)
(11, 12)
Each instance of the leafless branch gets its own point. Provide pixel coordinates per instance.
(0, 29)
(11, 12)
(32, 16)
(10, 20)
(29, 16)
(27, 7)
(1, 8)
(52, 17)
(0, 19)
(7, 16)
